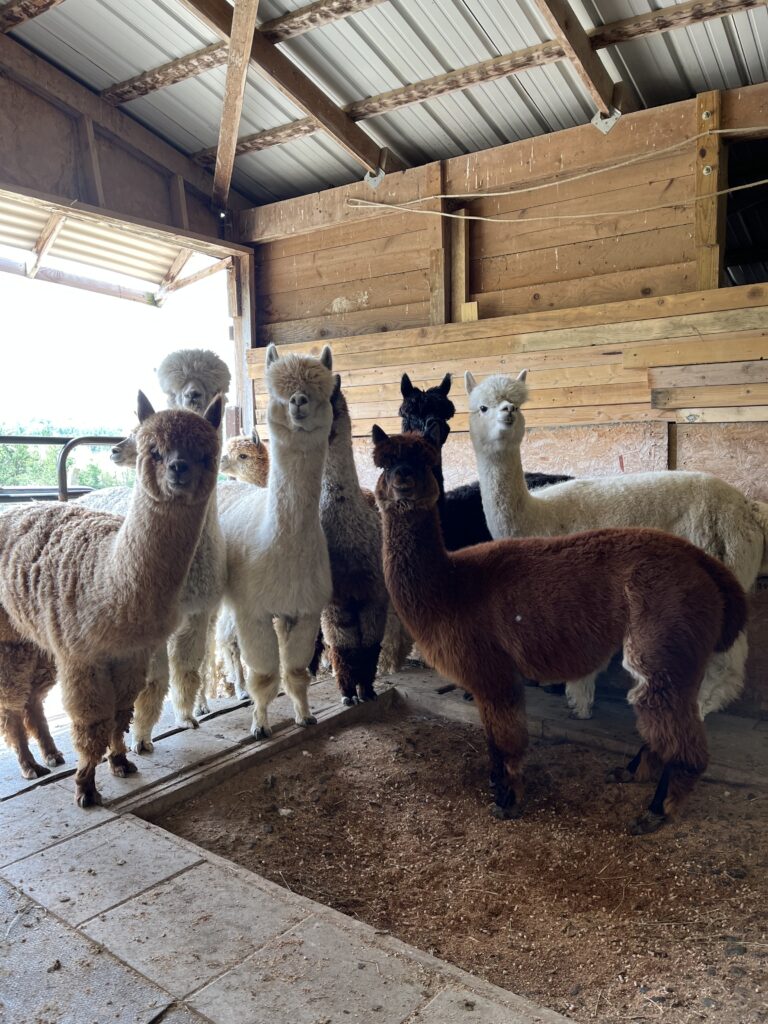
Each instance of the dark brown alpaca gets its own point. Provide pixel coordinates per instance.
(554, 608)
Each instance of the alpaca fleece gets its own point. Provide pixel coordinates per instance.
(554, 608)
(190, 378)
(699, 507)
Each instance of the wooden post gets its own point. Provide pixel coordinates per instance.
(241, 291)
(178, 197)
(711, 177)
(462, 310)
(90, 168)
(439, 253)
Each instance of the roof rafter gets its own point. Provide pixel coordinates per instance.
(667, 18)
(178, 70)
(45, 240)
(241, 40)
(567, 29)
(294, 84)
(315, 15)
(18, 11)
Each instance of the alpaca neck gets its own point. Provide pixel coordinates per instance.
(340, 480)
(293, 490)
(417, 568)
(507, 503)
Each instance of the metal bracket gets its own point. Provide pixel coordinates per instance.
(374, 180)
(604, 124)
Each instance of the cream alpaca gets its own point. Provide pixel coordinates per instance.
(277, 556)
(105, 591)
(699, 507)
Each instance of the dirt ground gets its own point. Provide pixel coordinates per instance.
(390, 823)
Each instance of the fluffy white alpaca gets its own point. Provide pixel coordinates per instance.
(699, 507)
(277, 556)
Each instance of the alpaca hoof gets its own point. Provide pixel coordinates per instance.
(33, 770)
(261, 732)
(202, 709)
(87, 797)
(506, 813)
(142, 746)
(121, 767)
(619, 775)
(581, 714)
(304, 722)
(54, 758)
(190, 722)
(347, 702)
(364, 695)
(647, 822)
(244, 695)
(467, 696)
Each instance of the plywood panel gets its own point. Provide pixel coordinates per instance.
(733, 451)
(48, 160)
(132, 186)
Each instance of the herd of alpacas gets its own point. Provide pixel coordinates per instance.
(181, 582)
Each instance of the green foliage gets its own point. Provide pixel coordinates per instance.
(35, 466)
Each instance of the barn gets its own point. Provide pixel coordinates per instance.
(416, 297)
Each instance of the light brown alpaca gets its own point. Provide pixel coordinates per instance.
(246, 458)
(26, 676)
(98, 593)
(556, 608)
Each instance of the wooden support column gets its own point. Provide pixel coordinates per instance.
(462, 310)
(241, 291)
(711, 177)
(178, 198)
(439, 253)
(90, 168)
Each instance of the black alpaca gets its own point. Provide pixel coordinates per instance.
(461, 509)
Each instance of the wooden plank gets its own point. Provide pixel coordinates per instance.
(468, 312)
(745, 108)
(178, 70)
(90, 169)
(727, 414)
(722, 395)
(380, 322)
(710, 178)
(644, 249)
(662, 281)
(264, 140)
(459, 230)
(76, 281)
(178, 198)
(376, 232)
(200, 275)
(348, 297)
(566, 28)
(314, 15)
(17, 12)
(286, 76)
(667, 18)
(173, 272)
(724, 348)
(45, 240)
(753, 371)
(240, 42)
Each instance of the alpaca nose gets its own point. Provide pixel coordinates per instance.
(192, 398)
(299, 403)
(178, 470)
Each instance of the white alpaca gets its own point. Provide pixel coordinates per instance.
(277, 556)
(699, 507)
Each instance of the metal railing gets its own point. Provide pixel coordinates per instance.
(62, 492)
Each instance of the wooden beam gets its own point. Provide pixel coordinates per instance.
(178, 70)
(263, 140)
(178, 197)
(75, 281)
(90, 168)
(278, 69)
(313, 16)
(667, 18)
(567, 29)
(240, 43)
(710, 178)
(199, 275)
(459, 228)
(173, 272)
(718, 396)
(18, 11)
(45, 240)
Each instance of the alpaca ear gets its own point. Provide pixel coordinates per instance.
(215, 411)
(433, 434)
(255, 437)
(522, 375)
(272, 355)
(144, 407)
(378, 434)
(406, 388)
(326, 357)
(445, 384)
(469, 382)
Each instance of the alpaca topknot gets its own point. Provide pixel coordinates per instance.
(193, 364)
(499, 387)
(294, 372)
(395, 448)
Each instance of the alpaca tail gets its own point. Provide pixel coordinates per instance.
(734, 603)
(760, 512)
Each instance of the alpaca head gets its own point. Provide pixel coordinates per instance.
(246, 458)
(300, 389)
(495, 419)
(192, 377)
(421, 408)
(177, 452)
(407, 462)
(124, 452)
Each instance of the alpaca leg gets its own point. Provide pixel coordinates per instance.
(355, 669)
(15, 735)
(395, 646)
(506, 730)
(129, 677)
(644, 766)
(229, 646)
(149, 703)
(262, 659)
(297, 644)
(186, 650)
(317, 657)
(89, 700)
(580, 694)
(37, 725)
(18, 662)
(724, 678)
(210, 680)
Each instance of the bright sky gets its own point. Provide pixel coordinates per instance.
(78, 358)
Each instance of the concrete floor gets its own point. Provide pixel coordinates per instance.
(105, 917)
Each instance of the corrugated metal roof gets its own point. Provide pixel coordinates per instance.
(395, 43)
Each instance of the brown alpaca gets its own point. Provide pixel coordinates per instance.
(26, 676)
(97, 593)
(246, 458)
(557, 608)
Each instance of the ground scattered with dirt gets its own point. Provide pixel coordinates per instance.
(390, 823)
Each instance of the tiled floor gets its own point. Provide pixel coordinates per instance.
(105, 918)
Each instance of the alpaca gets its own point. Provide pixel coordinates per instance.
(191, 377)
(105, 590)
(553, 608)
(277, 555)
(699, 507)
(461, 509)
(26, 676)
(353, 621)
(246, 459)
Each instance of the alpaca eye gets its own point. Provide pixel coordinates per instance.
(483, 408)
(156, 456)
(513, 408)
(242, 456)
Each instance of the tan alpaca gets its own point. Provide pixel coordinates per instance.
(98, 593)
